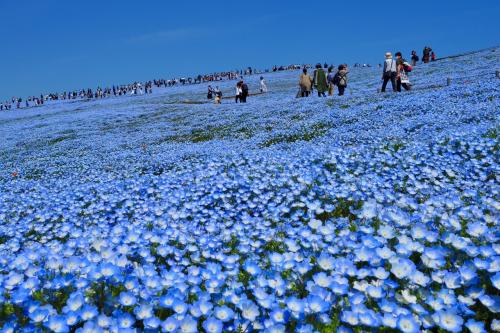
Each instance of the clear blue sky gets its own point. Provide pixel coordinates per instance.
(53, 45)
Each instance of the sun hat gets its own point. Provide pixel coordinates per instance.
(388, 55)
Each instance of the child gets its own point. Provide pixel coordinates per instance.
(218, 95)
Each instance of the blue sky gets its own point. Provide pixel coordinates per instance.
(54, 45)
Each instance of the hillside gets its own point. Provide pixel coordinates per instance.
(368, 211)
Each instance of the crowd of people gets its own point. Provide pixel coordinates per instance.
(135, 88)
(324, 80)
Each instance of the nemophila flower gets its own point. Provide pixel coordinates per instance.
(448, 321)
(495, 280)
(386, 231)
(104, 321)
(249, 310)
(127, 298)
(402, 268)
(72, 318)
(343, 329)
(252, 268)
(369, 210)
(167, 301)
(316, 304)
(179, 307)
(276, 329)
(170, 324)
(475, 326)
(223, 313)
(152, 323)
(88, 312)
(325, 262)
(125, 320)
(212, 325)
(476, 229)
(90, 327)
(407, 324)
(322, 279)
(491, 302)
(57, 324)
(369, 318)
(349, 317)
(389, 320)
(188, 325)
(452, 280)
(143, 311)
(375, 292)
(39, 315)
(495, 325)
(278, 315)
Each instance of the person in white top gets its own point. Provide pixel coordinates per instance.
(263, 86)
(390, 72)
(239, 92)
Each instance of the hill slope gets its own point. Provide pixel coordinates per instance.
(366, 211)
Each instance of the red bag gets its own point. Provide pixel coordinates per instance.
(408, 68)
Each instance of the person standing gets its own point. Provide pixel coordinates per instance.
(426, 55)
(263, 86)
(331, 84)
(210, 92)
(305, 83)
(414, 58)
(390, 72)
(238, 92)
(433, 56)
(341, 79)
(218, 95)
(244, 92)
(320, 81)
(402, 75)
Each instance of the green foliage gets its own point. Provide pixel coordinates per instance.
(310, 133)
(274, 246)
(61, 139)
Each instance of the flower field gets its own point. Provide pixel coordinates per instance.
(363, 213)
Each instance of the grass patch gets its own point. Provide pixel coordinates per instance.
(315, 131)
(61, 139)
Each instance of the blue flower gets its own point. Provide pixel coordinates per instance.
(407, 324)
(57, 324)
(448, 321)
(127, 298)
(475, 326)
(212, 325)
(249, 310)
(170, 324)
(223, 313)
(188, 325)
(125, 320)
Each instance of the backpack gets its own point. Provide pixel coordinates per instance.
(407, 67)
(244, 89)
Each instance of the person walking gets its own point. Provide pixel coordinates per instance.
(320, 81)
(331, 84)
(210, 92)
(263, 86)
(390, 72)
(340, 79)
(402, 74)
(244, 92)
(414, 58)
(305, 83)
